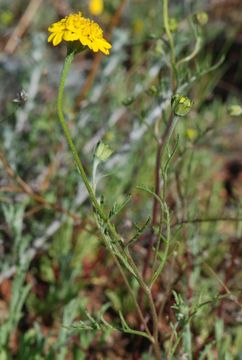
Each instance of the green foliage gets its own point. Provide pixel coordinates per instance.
(148, 259)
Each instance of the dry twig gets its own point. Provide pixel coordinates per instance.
(22, 26)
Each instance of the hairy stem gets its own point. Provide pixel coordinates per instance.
(80, 167)
(116, 239)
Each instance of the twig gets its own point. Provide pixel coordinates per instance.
(22, 26)
(160, 149)
(155, 212)
(161, 142)
(203, 220)
(233, 297)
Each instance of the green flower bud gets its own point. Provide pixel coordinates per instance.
(128, 101)
(235, 110)
(103, 151)
(202, 18)
(181, 105)
(173, 25)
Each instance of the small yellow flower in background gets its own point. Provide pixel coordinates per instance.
(6, 17)
(191, 133)
(75, 27)
(96, 7)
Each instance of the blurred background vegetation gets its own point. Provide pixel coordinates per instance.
(56, 279)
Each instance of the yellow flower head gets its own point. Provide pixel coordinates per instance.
(75, 27)
(96, 7)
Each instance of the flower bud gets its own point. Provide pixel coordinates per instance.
(128, 101)
(173, 25)
(202, 18)
(181, 105)
(103, 151)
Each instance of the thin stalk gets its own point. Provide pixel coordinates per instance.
(156, 345)
(111, 229)
(130, 290)
(166, 250)
(167, 29)
(95, 203)
(197, 47)
(171, 42)
(204, 220)
(151, 303)
(155, 213)
(160, 149)
(65, 71)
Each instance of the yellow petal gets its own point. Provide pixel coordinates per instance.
(70, 36)
(50, 38)
(57, 39)
(105, 51)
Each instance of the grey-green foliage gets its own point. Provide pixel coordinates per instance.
(19, 290)
(71, 310)
(190, 160)
(18, 298)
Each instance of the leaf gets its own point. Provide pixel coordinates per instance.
(113, 297)
(119, 207)
(139, 232)
(127, 329)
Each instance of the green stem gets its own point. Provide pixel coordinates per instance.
(109, 226)
(167, 29)
(167, 246)
(95, 203)
(132, 295)
(111, 229)
(171, 42)
(65, 71)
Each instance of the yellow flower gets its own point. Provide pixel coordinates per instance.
(96, 7)
(75, 27)
(191, 133)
